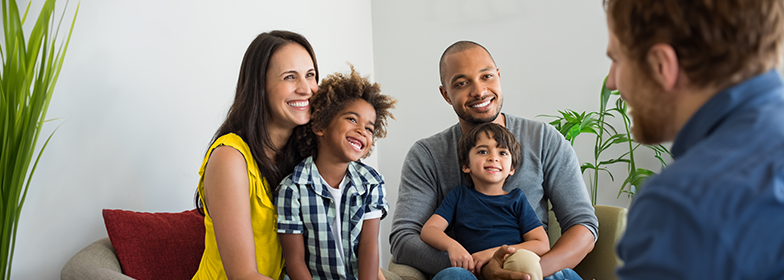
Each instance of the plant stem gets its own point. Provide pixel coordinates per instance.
(597, 148)
(627, 124)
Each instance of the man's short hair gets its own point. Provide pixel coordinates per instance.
(503, 139)
(457, 47)
(718, 43)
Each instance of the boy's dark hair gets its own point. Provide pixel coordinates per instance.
(503, 139)
(335, 93)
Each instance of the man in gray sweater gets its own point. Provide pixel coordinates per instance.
(470, 82)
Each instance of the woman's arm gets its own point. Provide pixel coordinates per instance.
(294, 252)
(368, 249)
(227, 198)
(433, 234)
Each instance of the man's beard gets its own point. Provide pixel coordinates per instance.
(653, 117)
(465, 116)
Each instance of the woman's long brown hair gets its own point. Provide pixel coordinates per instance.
(249, 115)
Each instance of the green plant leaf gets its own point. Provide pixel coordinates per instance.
(659, 150)
(571, 124)
(635, 179)
(604, 95)
(586, 165)
(28, 76)
(615, 139)
(588, 129)
(612, 161)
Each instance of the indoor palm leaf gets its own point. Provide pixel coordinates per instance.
(27, 79)
(572, 124)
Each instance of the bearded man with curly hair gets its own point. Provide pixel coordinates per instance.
(702, 74)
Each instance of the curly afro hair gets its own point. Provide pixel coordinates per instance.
(335, 93)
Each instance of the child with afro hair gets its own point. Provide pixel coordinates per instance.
(330, 208)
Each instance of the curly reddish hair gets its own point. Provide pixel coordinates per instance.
(335, 93)
(718, 42)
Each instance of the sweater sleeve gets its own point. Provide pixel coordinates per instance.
(564, 185)
(416, 202)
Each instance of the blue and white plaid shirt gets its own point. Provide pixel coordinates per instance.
(305, 206)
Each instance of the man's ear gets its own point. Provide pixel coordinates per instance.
(664, 65)
(466, 169)
(444, 94)
(318, 132)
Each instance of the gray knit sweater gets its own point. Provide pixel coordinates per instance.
(549, 170)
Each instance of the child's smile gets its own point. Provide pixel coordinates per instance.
(493, 169)
(488, 164)
(349, 135)
(356, 143)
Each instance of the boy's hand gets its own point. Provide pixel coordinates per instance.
(481, 258)
(459, 257)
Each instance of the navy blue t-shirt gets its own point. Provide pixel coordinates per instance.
(481, 222)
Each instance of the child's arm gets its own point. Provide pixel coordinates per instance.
(433, 234)
(368, 249)
(294, 252)
(534, 240)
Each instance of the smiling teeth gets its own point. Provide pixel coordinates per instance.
(356, 144)
(493, 169)
(304, 103)
(482, 104)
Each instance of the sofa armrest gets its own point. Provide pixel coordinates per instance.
(96, 261)
(406, 272)
(601, 262)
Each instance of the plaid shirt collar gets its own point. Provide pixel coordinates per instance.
(360, 175)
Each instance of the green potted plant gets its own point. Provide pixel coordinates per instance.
(29, 74)
(572, 124)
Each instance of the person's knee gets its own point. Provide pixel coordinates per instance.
(524, 261)
(458, 273)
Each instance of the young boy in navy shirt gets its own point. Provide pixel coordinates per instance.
(483, 216)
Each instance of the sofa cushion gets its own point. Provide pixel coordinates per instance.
(156, 245)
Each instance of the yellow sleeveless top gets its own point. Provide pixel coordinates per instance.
(264, 217)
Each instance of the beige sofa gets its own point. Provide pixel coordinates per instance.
(145, 246)
(99, 261)
(96, 261)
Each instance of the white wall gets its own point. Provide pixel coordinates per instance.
(551, 55)
(144, 86)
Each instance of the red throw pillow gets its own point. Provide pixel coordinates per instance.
(156, 245)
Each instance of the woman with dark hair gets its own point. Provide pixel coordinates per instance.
(250, 154)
